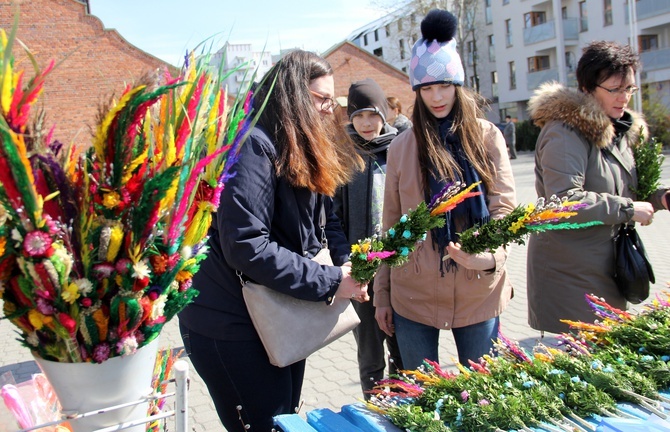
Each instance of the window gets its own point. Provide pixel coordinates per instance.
(494, 84)
(508, 32)
(538, 63)
(412, 18)
(388, 30)
(378, 52)
(492, 48)
(473, 82)
(570, 61)
(648, 42)
(532, 19)
(414, 39)
(376, 35)
(607, 8)
(512, 76)
(583, 17)
(404, 69)
(401, 45)
(365, 40)
(564, 12)
(400, 25)
(488, 14)
(470, 47)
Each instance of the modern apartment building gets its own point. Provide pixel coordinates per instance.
(244, 61)
(391, 39)
(542, 40)
(519, 44)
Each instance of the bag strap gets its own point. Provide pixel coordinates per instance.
(322, 223)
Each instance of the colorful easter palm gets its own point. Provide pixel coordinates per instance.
(522, 221)
(98, 247)
(394, 247)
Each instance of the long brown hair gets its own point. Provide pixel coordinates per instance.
(432, 152)
(308, 154)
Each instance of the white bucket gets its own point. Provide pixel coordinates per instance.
(87, 387)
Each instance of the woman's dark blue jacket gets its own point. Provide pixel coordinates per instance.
(268, 230)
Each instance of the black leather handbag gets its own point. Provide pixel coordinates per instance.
(633, 269)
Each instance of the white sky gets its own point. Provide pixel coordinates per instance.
(167, 28)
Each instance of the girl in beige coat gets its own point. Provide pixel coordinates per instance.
(442, 287)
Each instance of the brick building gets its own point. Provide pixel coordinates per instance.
(92, 62)
(351, 63)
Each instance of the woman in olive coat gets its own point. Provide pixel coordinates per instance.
(583, 152)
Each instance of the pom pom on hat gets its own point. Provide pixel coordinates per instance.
(366, 95)
(439, 25)
(434, 57)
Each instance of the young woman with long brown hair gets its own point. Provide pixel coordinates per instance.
(268, 230)
(442, 287)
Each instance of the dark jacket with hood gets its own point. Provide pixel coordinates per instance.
(585, 155)
(354, 203)
(269, 231)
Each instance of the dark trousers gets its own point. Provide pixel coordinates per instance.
(370, 341)
(238, 374)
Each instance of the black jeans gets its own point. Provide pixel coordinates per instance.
(370, 341)
(239, 374)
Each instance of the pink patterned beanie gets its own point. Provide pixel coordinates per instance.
(434, 56)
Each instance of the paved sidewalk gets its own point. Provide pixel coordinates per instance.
(332, 374)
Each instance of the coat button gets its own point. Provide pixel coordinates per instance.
(330, 299)
(446, 324)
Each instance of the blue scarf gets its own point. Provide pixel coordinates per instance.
(473, 211)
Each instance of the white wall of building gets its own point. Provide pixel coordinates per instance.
(242, 61)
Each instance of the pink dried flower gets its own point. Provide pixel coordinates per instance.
(381, 255)
(101, 352)
(123, 265)
(51, 224)
(185, 285)
(86, 302)
(465, 395)
(103, 270)
(484, 402)
(127, 345)
(37, 243)
(44, 307)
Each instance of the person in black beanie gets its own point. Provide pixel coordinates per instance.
(359, 206)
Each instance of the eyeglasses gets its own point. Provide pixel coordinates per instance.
(328, 103)
(629, 91)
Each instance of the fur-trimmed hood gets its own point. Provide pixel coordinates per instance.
(582, 112)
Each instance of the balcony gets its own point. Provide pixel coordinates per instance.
(547, 31)
(655, 60)
(534, 79)
(651, 8)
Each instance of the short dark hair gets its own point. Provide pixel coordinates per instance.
(508, 117)
(603, 59)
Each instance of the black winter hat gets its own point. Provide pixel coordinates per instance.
(366, 95)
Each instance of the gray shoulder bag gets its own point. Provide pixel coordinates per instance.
(291, 329)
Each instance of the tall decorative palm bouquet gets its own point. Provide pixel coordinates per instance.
(98, 245)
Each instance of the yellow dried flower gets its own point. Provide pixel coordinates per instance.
(111, 199)
(71, 293)
(36, 319)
